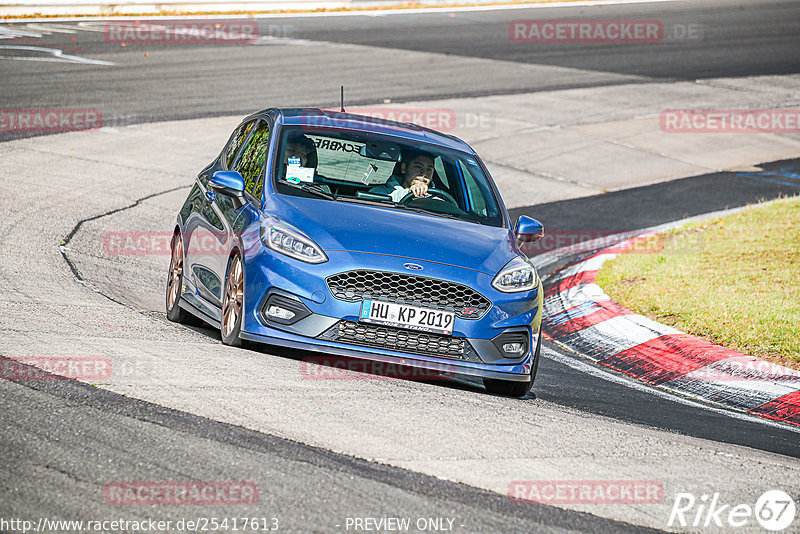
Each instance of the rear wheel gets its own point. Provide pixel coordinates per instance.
(175, 313)
(507, 388)
(231, 324)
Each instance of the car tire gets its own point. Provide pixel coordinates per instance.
(175, 313)
(507, 388)
(233, 303)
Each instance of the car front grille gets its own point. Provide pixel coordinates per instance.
(352, 286)
(398, 339)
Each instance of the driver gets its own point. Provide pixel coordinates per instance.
(300, 159)
(416, 173)
(300, 146)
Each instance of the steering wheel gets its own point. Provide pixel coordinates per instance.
(435, 193)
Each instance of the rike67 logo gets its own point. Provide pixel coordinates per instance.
(774, 511)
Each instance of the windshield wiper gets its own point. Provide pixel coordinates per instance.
(314, 189)
(429, 212)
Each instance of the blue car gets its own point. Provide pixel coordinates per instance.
(359, 237)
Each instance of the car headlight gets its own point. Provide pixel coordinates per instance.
(517, 275)
(286, 239)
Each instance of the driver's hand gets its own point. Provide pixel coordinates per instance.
(419, 188)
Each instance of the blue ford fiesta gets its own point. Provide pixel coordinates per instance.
(359, 237)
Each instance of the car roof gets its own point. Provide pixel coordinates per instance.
(364, 123)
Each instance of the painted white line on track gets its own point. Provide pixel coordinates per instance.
(91, 27)
(51, 28)
(8, 33)
(270, 40)
(674, 396)
(56, 55)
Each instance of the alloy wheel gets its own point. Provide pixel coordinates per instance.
(234, 293)
(175, 272)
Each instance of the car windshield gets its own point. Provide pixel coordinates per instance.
(353, 166)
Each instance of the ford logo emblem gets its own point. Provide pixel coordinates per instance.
(412, 266)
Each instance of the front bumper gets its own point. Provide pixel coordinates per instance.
(331, 325)
(519, 372)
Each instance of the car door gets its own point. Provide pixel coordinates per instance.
(250, 164)
(207, 232)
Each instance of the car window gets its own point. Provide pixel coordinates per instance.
(440, 172)
(341, 159)
(251, 162)
(359, 166)
(236, 142)
(475, 195)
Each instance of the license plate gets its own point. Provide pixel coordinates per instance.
(404, 316)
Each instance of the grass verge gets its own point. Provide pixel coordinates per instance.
(734, 281)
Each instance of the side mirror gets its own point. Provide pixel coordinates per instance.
(528, 230)
(230, 184)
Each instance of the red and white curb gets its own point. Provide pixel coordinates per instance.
(580, 316)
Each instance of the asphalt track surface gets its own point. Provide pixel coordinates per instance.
(474, 57)
(306, 488)
(44, 457)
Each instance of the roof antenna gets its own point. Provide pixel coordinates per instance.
(342, 88)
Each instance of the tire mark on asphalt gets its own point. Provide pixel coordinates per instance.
(64, 242)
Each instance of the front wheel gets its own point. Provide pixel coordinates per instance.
(232, 304)
(507, 388)
(175, 313)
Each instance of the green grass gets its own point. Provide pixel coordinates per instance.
(734, 281)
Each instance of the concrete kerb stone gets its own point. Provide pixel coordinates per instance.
(582, 318)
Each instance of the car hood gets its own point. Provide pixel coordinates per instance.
(354, 227)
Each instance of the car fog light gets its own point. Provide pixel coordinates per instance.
(513, 344)
(280, 313)
(282, 309)
(514, 348)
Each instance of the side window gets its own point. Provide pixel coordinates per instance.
(474, 193)
(252, 159)
(438, 165)
(238, 139)
(194, 203)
